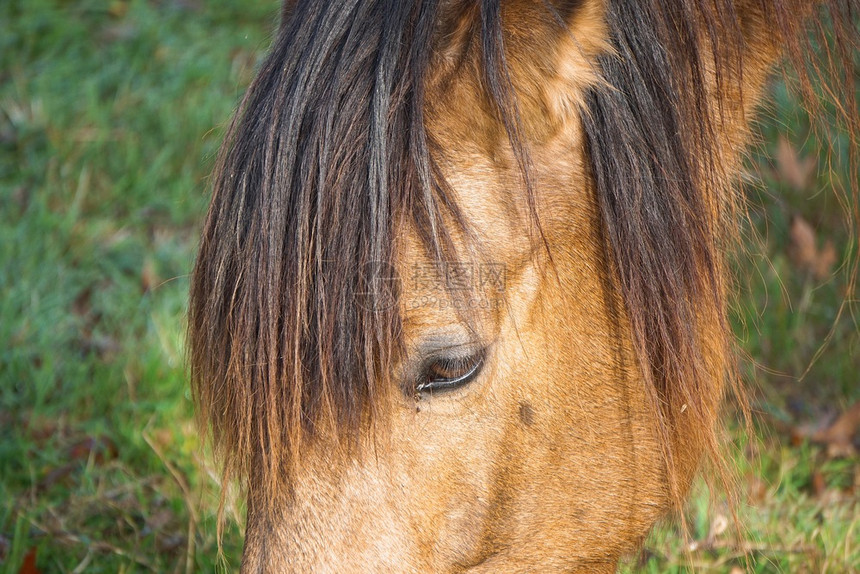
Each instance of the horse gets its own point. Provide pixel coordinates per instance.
(460, 297)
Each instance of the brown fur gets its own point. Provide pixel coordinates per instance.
(607, 352)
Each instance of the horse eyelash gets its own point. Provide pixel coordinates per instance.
(426, 380)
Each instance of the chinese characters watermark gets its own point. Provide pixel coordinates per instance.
(444, 285)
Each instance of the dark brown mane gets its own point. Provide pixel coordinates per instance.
(328, 151)
(665, 190)
(286, 326)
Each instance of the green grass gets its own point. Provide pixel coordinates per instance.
(110, 116)
(800, 358)
(785, 522)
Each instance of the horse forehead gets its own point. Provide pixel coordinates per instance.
(492, 267)
(550, 55)
(551, 68)
(552, 64)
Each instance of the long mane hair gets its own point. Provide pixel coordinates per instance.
(328, 151)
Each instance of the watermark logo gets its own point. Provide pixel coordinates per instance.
(381, 286)
(444, 285)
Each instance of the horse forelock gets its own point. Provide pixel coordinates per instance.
(290, 323)
(291, 328)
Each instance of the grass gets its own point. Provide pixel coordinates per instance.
(110, 116)
(789, 522)
(107, 113)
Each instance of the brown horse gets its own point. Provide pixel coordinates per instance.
(459, 303)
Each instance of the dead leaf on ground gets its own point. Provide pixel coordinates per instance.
(840, 436)
(802, 248)
(804, 253)
(825, 493)
(163, 438)
(149, 278)
(826, 260)
(41, 428)
(82, 305)
(101, 447)
(118, 8)
(29, 564)
(819, 485)
(757, 489)
(856, 486)
(796, 171)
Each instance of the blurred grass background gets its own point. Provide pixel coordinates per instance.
(111, 113)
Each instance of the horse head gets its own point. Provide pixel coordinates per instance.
(460, 298)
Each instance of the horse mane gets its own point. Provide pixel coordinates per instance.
(328, 154)
(287, 332)
(665, 189)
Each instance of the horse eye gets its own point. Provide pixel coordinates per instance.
(447, 373)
